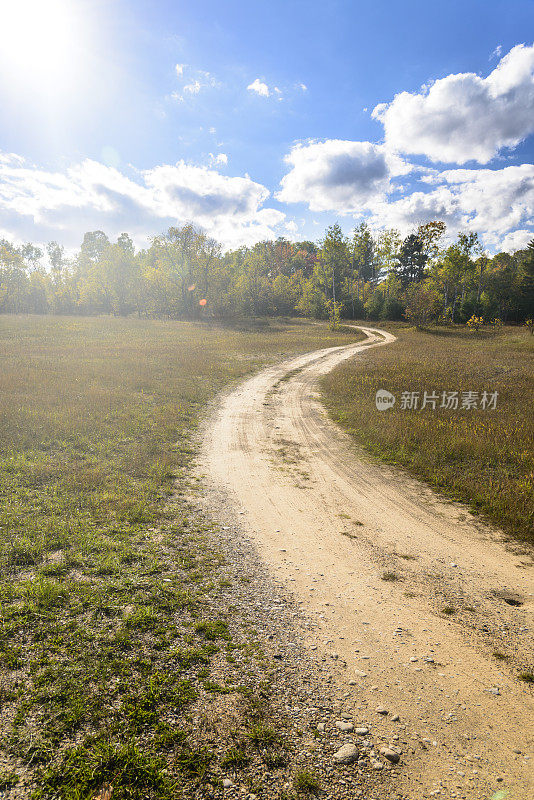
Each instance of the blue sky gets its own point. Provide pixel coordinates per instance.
(266, 118)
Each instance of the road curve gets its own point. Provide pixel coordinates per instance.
(331, 522)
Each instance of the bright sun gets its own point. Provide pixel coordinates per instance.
(40, 40)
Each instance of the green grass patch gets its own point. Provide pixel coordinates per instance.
(305, 782)
(108, 577)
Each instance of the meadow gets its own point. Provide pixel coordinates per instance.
(108, 577)
(484, 457)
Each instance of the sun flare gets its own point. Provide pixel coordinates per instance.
(40, 40)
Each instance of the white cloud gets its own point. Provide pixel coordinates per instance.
(199, 80)
(193, 88)
(303, 87)
(497, 203)
(40, 205)
(259, 87)
(497, 52)
(339, 175)
(463, 116)
(516, 240)
(220, 158)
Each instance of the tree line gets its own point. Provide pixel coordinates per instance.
(185, 274)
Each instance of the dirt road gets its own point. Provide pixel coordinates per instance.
(375, 557)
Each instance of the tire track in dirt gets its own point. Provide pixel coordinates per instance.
(330, 522)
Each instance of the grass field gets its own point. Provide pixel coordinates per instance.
(483, 457)
(106, 639)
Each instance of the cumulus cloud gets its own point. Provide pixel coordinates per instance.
(339, 175)
(465, 117)
(516, 240)
(40, 205)
(498, 203)
(259, 87)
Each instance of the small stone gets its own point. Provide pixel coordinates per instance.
(321, 727)
(494, 690)
(390, 754)
(413, 659)
(346, 754)
(381, 710)
(395, 718)
(516, 751)
(346, 727)
(362, 762)
(353, 683)
(360, 674)
(363, 731)
(227, 783)
(377, 765)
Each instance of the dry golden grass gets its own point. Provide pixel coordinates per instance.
(485, 458)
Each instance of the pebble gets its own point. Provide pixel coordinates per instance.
(321, 727)
(390, 754)
(346, 754)
(227, 783)
(346, 727)
(395, 718)
(377, 765)
(360, 674)
(361, 731)
(381, 710)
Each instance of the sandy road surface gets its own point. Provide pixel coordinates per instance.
(330, 522)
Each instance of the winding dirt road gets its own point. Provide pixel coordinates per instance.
(331, 523)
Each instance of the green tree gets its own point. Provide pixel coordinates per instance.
(412, 260)
(364, 266)
(334, 261)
